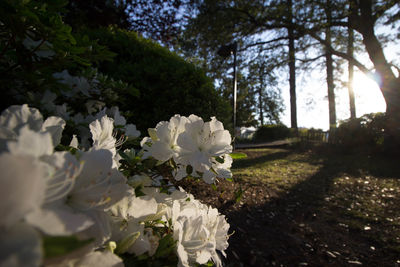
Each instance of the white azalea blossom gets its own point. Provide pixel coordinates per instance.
(56, 217)
(131, 131)
(32, 143)
(128, 228)
(200, 231)
(82, 193)
(20, 246)
(118, 118)
(98, 186)
(164, 138)
(101, 229)
(191, 142)
(98, 258)
(22, 187)
(43, 49)
(221, 170)
(16, 118)
(59, 219)
(102, 134)
(131, 236)
(77, 84)
(200, 142)
(54, 126)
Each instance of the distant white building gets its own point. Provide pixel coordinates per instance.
(245, 132)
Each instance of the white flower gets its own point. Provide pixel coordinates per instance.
(59, 219)
(47, 100)
(55, 217)
(77, 84)
(22, 187)
(128, 227)
(164, 138)
(131, 131)
(201, 142)
(221, 170)
(74, 142)
(22, 191)
(98, 186)
(135, 207)
(20, 246)
(61, 110)
(130, 237)
(198, 229)
(101, 229)
(102, 134)
(101, 259)
(43, 49)
(32, 143)
(15, 118)
(118, 118)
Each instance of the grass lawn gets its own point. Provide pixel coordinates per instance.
(310, 207)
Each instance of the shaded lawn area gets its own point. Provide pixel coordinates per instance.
(309, 208)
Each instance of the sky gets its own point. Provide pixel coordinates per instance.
(312, 101)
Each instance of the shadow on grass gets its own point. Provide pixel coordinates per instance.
(255, 160)
(290, 230)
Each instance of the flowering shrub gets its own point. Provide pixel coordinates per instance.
(90, 202)
(76, 189)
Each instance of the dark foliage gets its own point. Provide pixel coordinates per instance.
(366, 131)
(272, 132)
(168, 85)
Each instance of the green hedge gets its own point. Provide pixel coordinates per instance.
(367, 130)
(272, 132)
(167, 84)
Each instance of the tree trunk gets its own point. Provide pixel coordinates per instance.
(350, 51)
(292, 71)
(260, 99)
(388, 83)
(329, 71)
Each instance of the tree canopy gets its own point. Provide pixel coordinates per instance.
(261, 27)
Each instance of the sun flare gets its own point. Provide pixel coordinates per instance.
(368, 96)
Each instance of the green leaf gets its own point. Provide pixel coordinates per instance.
(124, 155)
(139, 192)
(238, 155)
(220, 160)
(126, 242)
(55, 246)
(166, 246)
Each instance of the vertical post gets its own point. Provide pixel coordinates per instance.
(350, 52)
(234, 92)
(292, 69)
(226, 51)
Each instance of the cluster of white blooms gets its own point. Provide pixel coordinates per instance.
(198, 148)
(80, 194)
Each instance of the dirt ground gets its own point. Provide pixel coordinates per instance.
(299, 225)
